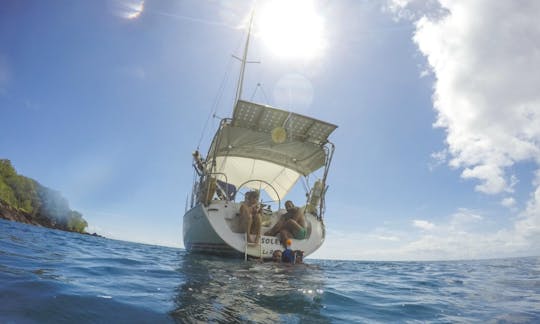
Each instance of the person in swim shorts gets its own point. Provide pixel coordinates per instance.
(292, 224)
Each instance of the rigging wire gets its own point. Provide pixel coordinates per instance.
(219, 94)
(305, 183)
(217, 99)
(263, 93)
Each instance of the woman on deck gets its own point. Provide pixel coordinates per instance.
(250, 216)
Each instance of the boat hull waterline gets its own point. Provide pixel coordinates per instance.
(211, 229)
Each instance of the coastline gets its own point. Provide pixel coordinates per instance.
(10, 213)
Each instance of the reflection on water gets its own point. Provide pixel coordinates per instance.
(48, 276)
(229, 291)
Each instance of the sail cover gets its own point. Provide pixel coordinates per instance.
(244, 149)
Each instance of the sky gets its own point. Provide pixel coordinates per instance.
(437, 102)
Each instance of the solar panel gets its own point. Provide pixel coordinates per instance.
(265, 119)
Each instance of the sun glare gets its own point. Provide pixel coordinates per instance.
(129, 9)
(291, 29)
(134, 10)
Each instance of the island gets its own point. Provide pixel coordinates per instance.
(25, 200)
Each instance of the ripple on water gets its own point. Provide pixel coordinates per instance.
(52, 276)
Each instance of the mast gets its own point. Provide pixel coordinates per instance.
(244, 61)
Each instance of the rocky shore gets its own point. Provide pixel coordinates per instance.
(12, 214)
(9, 213)
(25, 200)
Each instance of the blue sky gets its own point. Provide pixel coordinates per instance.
(437, 104)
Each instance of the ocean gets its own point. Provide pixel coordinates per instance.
(50, 276)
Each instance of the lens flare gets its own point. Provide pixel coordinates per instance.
(129, 9)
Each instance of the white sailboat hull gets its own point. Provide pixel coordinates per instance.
(214, 229)
(266, 150)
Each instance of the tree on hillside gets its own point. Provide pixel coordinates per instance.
(40, 202)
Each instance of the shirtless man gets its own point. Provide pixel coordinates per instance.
(250, 216)
(292, 224)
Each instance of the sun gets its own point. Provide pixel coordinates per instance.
(291, 28)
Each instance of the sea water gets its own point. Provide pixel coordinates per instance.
(50, 276)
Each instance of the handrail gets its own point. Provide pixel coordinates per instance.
(266, 182)
(208, 176)
(329, 156)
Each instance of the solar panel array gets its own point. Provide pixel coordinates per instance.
(265, 119)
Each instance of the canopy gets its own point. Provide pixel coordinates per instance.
(244, 149)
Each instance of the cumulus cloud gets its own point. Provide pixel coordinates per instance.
(437, 159)
(415, 9)
(425, 225)
(528, 226)
(462, 235)
(387, 238)
(508, 202)
(463, 218)
(485, 57)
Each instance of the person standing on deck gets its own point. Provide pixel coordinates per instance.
(250, 216)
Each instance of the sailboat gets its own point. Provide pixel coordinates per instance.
(264, 149)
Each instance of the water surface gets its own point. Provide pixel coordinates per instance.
(50, 276)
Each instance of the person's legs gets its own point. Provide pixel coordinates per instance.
(246, 222)
(275, 229)
(292, 226)
(256, 227)
(284, 236)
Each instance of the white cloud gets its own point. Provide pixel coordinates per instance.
(415, 9)
(438, 158)
(463, 219)
(425, 225)
(528, 226)
(508, 202)
(461, 236)
(387, 238)
(485, 57)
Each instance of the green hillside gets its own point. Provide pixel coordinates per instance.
(25, 200)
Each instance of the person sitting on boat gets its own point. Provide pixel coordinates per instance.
(292, 224)
(250, 216)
